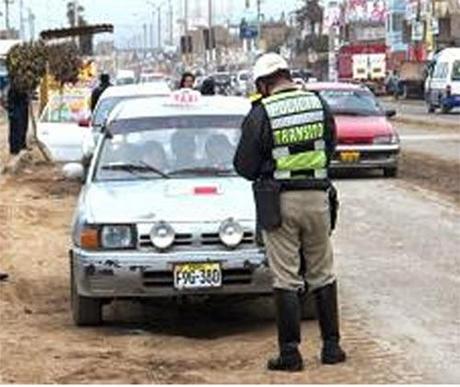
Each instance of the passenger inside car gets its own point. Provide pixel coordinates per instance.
(219, 151)
(154, 155)
(184, 149)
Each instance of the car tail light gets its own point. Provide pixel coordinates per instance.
(448, 90)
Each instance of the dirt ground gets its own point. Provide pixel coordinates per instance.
(154, 344)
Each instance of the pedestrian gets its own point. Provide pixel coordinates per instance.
(18, 117)
(187, 81)
(104, 83)
(208, 87)
(286, 145)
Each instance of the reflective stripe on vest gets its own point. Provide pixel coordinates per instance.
(297, 122)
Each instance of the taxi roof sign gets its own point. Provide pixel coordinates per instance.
(185, 97)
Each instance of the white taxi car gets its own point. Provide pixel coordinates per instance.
(162, 212)
(111, 97)
(62, 125)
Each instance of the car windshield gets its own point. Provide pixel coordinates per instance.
(222, 77)
(103, 109)
(175, 147)
(352, 102)
(456, 71)
(66, 109)
(125, 81)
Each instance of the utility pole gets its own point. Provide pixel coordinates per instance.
(144, 46)
(21, 20)
(152, 34)
(31, 20)
(7, 14)
(75, 14)
(171, 23)
(211, 35)
(259, 23)
(186, 29)
(185, 17)
(159, 27)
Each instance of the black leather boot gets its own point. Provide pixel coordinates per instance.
(288, 323)
(326, 304)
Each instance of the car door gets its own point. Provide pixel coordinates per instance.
(63, 129)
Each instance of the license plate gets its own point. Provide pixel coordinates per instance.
(197, 275)
(350, 157)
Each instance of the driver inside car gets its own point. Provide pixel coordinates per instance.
(219, 151)
(154, 155)
(184, 149)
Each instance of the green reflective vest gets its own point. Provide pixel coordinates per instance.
(298, 126)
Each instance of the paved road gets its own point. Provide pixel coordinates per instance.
(439, 143)
(416, 110)
(398, 253)
(397, 250)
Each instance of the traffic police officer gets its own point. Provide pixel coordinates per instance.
(287, 141)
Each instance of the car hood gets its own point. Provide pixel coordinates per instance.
(353, 129)
(169, 200)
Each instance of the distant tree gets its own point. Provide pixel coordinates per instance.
(71, 14)
(85, 42)
(26, 64)
(64, 62)
(313, 14)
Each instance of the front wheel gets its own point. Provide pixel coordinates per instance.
(390, 172)
(431, 108)
(85, 311)
(445, 109)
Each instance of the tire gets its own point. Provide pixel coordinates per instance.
(445, 109)
(431, 108)
(308, 307)
(390, 172)
(85, 311)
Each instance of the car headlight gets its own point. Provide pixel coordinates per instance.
(231, 233)
(162, 235)
(117, 237)
(386, 139)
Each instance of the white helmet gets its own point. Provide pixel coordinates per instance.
(269, 64)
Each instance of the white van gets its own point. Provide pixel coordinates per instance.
(442, 86)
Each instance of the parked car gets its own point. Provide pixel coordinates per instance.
(442, 86)
(152, 78)
(63, 125)
(125, 77)
(243, 77)
(129, 239)
(365, 137)
(107, 102)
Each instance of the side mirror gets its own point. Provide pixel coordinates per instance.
(390, 113)
(84, 123)
(73, 171)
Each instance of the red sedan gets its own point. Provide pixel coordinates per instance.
(365, 137)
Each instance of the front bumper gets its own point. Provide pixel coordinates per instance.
(149, 275)
(370, 156)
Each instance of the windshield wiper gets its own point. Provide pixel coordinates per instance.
(134, 168)
(201, 171)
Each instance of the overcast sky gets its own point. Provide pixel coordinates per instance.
(128, 16)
